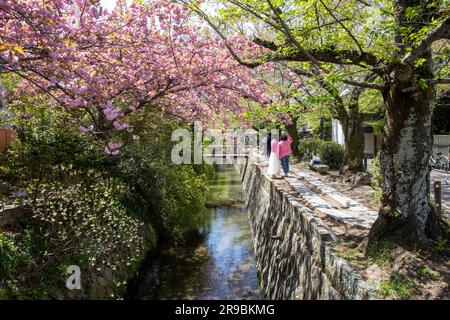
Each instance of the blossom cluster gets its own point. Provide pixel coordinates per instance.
(103, 66)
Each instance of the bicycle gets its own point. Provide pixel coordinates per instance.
(440, 162)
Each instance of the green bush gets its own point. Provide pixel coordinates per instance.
(377, 178)
(171, 197)
(88, 221)
(88, 207)
(48, 151)
(331, 154)
(308, 147)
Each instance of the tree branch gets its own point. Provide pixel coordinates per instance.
(343, 26)
(224, 38)
(365, 85)
(291, 37)
(372, 116)
(254, 13)
(343, 57)
(35, 83)
(442, 31)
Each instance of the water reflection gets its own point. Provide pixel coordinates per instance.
(217, 265)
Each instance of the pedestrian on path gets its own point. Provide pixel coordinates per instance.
(285, 151)
(274, 160)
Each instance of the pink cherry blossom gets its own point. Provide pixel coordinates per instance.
(107, 66)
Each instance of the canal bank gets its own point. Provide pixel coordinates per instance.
(294, 251)
(258, 243)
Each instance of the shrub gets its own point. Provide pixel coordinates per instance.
(87, 220)
(169, 196)
(89, 208)
(8, 255)
(377, 178)
(48, 151)
(308, 147)
(331, 154)
(398, 287)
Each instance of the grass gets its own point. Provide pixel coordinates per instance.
(397, 287)
(440, 244)
(351, 254)
(424, 271)
(380, 253)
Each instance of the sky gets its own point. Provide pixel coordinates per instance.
(111, 4)
(108, 4)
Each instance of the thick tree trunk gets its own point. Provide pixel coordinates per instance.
(405, 152)
(407, 214)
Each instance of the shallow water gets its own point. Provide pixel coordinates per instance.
(218, 264)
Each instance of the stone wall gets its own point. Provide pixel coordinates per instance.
(293, 251)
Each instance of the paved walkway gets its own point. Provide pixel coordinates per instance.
(328, 200)
(340, 207)
(350, 211)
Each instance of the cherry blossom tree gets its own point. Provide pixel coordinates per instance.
(106, 66)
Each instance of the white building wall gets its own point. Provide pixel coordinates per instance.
(337, 134)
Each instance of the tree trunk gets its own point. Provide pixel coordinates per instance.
(407, 214)
(405, 151)
(353, 135)
(354, 145)
(293, 132)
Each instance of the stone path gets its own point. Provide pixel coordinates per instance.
(345, 215)
(349, 212)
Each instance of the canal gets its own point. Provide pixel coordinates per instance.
(216, 264)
